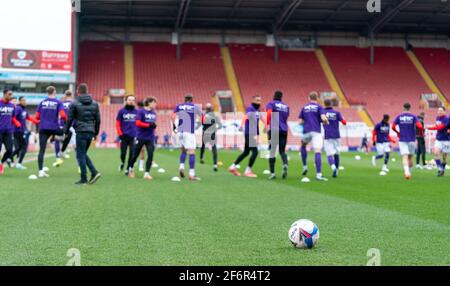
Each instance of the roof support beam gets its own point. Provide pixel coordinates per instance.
(236, 5)
(339, 9)
(285, 15)
(436, 13)
(389, 15)
(182, 14)
(105, 34)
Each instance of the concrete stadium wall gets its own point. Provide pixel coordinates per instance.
(144, 34)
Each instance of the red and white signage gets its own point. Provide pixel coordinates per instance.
(44, 60)
(56, 60)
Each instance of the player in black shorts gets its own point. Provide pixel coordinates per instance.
(210, 123)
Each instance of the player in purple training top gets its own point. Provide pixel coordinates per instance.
(61, 146)
(21, 133)
(332, 142)
(7, 122)
(408, 123)
(10, 160)
(189, 117)
(126, 129)
(442, 143)
(277, 126)
(49, 113)
(381, 139)
(311, 118)
(145, 136)
(250, 126)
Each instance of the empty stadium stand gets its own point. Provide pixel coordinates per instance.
(382, 87)
(101, 66)
(437, 64)
(296, 74)
(158, 72)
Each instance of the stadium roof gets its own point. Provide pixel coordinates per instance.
(397, 16)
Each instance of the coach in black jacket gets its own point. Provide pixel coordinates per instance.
(84, 114)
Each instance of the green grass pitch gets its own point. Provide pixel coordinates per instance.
(223, 220)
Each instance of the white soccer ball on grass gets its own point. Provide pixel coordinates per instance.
(304, 234)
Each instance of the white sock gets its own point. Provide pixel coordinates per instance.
(141, 164)
(192, 172)
(248, 170)
(233, 166)
(406, 168)
(319, 174)
(333, 167)
(181, 166)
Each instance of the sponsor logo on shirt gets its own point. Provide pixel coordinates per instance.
(150, 117)
(384, 129)
(331, 115)
(187, 108)
(311, 108)
(281, 107)
(406, 119)
(49, 104)
(6, 110)
(129, 116)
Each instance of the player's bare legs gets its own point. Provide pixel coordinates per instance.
(407, 165)
(304, 155)
(192, 176)
(183, 156)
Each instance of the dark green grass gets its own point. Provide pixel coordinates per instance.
(223, 220)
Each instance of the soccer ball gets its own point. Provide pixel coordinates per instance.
(303, 234)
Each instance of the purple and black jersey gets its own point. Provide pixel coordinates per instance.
(127, 119)
(442, 135)
(146, 116)
(66, 104)
(49, 110)
(311, 115)
(186, 113)
(7, 112)
(21, 116)
(280, 111)
(382, 131)
(407, 123)
(252, 121)
(332, 129)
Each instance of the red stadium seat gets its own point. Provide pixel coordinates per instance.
(101, 66)
(384, 86)
(297, 73)
(437, 64)
(158, 73)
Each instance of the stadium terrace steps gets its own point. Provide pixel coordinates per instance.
(101, 66)
(129, 69)
(426, 77)
(158, 73)
(330, 77)
(384, 86)
(232, 80)
(362, 113)
(436, 62)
